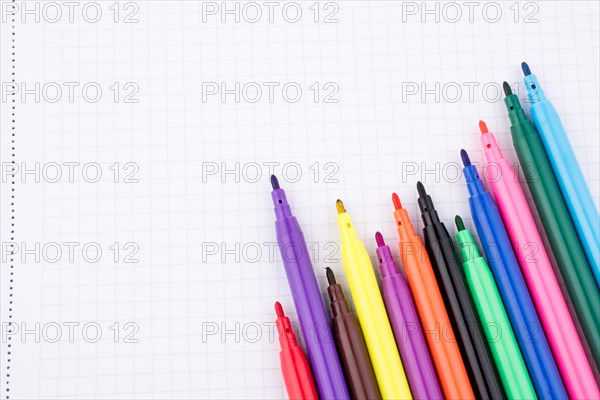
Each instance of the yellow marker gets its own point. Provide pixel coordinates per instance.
(371, 312)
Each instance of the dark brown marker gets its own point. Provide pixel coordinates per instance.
(351, 345)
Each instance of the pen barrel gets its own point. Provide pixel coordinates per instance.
(560, 231)
(355, 357)
(543, 286)
(462, 315)
(435, 322)
(409, 338)
(570, 179)
(519, 306)
(500, 336)
(318, 339)
(297, 375)
(374, 322)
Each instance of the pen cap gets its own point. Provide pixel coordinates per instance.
(287, 338)
(490, 147)
(428, 212)
(282, 207)
(468, 248)
(534, 91)
(474, 183)
(403, 225)
(347, 231)
(515, 111)
(339, 305)
(384, 255)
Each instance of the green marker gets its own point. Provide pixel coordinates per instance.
(558, 226)
(492, 316)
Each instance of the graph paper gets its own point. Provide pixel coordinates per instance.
(139, 251)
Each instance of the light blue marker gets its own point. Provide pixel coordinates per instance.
(574, 190)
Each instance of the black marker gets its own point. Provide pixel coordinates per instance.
(469, 336)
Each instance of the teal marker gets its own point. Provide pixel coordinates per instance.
(569, 177)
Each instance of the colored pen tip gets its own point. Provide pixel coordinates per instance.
(330, 276)
(274, 182)
(421, 189)
(483, 127)
(396, 201)
(279, 310)
(379, 239)
(507, 89)
(465, 157)
(340, 206)
(459, 223)
(525, 68)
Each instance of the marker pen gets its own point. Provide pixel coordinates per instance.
(575, 191)
(351, 345)
(435, 322)
(466, 327)
(307, 298)
(519, 307)
(371, 311)
(492, 315)
(537, 270)
(558, 226)
(407, 329)
(294, 366)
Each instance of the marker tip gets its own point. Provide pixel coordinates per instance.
(421, 189)
(274, 182)
(396, 201)
(483, 127)
(507, 89)
(459, 223)
(330, 276)
(379, 239)
(340, 206)
(465, 157)
(525, 68)
(279, 310)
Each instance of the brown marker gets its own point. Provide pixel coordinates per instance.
(351, 345)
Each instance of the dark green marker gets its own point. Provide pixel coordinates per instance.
(553, 213)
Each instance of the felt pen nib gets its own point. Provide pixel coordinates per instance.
(483, 127)
(340, 206)
(274, 182)
(465, 157)
(421, 189)
(330, 276)
(507, 89)
(379, 239)
(459, 223)
(396, 201)
(279, 310)
(525, 68)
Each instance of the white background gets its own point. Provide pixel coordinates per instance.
(205, 241)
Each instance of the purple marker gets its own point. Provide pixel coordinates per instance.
(319, 342)
(407, 328)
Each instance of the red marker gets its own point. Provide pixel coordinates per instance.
(294, 366)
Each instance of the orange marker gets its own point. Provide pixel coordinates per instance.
(435, 322)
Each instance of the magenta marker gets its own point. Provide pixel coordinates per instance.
(407, 328)
(320, 345)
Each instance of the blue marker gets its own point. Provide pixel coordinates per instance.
(574, 190)
(511, 285)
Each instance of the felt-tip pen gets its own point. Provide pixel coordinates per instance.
(450, 278)
(569, 255)
(295, 369)
(567, 172)
(320, 345)
(351, 345)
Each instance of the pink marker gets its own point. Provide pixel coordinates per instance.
(539, 275)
